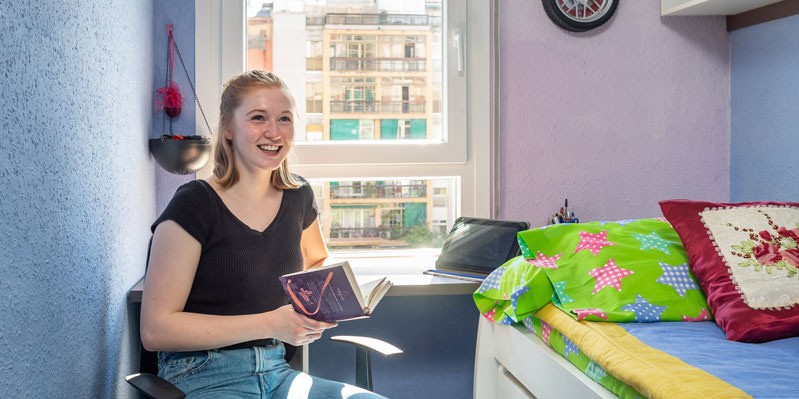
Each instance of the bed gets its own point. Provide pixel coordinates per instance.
(649, 308)
(511, 363)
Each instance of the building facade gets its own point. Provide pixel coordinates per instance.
(370, 71)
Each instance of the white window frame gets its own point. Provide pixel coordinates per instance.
(467, 82)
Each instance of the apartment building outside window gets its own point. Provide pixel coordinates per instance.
(382, 130)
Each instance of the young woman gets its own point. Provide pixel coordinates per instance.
(212, 304)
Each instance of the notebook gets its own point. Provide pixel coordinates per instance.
(475, 247)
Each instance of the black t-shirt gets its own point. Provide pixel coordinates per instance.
(239, 267)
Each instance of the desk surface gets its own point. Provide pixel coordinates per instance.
(404, 271)
(416, 284)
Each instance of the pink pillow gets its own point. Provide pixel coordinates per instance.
(746, 258)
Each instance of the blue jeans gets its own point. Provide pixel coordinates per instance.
(256, 372)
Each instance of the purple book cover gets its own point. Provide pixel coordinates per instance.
(322, 294)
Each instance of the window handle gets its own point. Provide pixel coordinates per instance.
(457, 42)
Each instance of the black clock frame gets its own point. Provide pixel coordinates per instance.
(559, 17)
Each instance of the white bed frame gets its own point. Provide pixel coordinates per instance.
(512, 363)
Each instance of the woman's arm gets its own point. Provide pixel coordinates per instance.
(314, 250)
(166, 327)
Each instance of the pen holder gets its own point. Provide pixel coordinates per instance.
(564, 215)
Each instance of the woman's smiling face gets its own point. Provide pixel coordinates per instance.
(263, 129)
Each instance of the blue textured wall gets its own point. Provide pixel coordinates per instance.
(764, 161)
(179, 13)
(78, 194)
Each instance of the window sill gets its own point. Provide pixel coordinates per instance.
(390, 261)
(404, 268)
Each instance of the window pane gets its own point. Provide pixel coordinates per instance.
(395, 213)
(365, 61)
(259, 39)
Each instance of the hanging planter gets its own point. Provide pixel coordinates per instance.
(181, 155)
(178, 154)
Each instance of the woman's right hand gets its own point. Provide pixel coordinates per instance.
(293, 328)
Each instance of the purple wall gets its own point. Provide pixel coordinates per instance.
(614, 119)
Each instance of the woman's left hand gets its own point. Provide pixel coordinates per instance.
(291, 327)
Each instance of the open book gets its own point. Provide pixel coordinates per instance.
(330, 293)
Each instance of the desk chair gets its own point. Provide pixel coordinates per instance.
(152, 386)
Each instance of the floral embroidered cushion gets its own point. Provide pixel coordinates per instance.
(746, 258)
(513, 292)
(634, 270)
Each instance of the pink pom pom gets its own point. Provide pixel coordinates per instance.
(169, 99)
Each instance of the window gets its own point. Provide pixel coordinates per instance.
(313, 57)
(389, 94)
(390, 213)
(313, 97)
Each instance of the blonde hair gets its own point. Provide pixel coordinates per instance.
(234, 91)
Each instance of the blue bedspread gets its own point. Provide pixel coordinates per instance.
(764, 370)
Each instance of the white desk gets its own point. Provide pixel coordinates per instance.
(404, 285)
(439, 339)
(405, 271)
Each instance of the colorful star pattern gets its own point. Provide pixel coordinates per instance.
(703, 316)
(492, 281)
(678, 277)
(619, 222)
(555, 299)
(569, 347)
(595, 371)
(525, 249)
(560, 291)
(528, 322)
(489, 315)
(609, 275)
(543, 261)
(516, 294)
(644, 311)
(593, 242)
(583, 313)
(506, 321)
(653, 241)
(546, 331)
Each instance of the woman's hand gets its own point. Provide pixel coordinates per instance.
(294, 328)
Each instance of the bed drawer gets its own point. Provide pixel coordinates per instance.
(540, 369)
(508, 387)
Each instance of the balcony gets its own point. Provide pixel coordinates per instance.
(376, 19)
(374, 64)
(354, 106)
(381, 191)
(366, 233)
(315, 20)
(404, 107)
(366, 106)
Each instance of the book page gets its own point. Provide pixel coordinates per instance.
(368, 287)
(374, 291)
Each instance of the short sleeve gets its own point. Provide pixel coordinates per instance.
(310, 209)
(191, 209)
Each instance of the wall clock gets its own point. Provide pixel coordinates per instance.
(579, 15)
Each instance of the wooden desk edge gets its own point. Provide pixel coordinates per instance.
(456, 287)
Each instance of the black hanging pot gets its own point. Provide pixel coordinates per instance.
(181, 154)
(176, 153)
